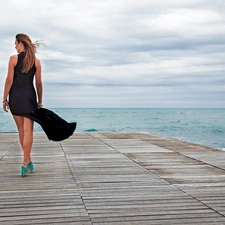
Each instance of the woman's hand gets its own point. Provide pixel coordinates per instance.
(5, 106)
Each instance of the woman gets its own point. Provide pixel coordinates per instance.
(20, 96)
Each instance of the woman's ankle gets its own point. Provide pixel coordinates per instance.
(24, 164)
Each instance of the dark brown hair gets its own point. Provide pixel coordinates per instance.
(30, 50)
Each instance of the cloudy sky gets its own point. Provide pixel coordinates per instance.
(123, 53)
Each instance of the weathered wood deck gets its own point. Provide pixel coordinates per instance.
(113, 179)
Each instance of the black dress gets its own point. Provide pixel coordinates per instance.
(22, 95)
(23, 102)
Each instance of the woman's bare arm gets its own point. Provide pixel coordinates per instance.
(9, 80)
(38, 80)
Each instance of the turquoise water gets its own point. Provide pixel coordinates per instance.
(201, 126)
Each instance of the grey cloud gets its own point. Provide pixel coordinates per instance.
(130, 53)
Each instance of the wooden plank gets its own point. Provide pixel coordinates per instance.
(49, 195)
(112, 178)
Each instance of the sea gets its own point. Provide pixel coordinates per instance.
(201, 126)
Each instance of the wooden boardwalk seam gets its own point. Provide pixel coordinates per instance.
(112, 179)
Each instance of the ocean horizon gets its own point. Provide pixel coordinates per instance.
(204, 126)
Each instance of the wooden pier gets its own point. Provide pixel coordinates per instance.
(112, 179)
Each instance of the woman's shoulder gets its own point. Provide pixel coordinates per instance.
(13, 59)
(37, 62)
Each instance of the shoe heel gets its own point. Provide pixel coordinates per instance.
(30, 167)
(24, 171)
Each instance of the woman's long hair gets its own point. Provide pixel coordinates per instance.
(30, 50)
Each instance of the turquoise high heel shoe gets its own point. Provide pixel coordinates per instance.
(24, 170)
(30, 167)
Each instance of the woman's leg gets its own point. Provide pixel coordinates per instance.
(19, 123)
(28, 138)
(25, 129)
